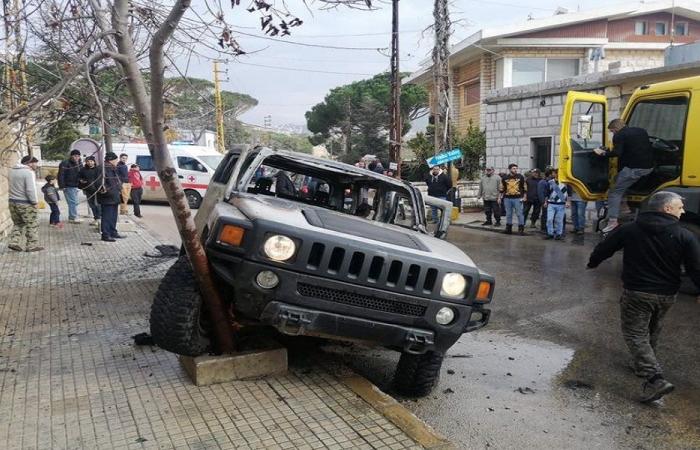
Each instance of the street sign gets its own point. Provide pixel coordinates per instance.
(393, 166)
(442, 158)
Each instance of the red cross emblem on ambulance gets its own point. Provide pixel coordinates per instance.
(153, 183)
(191, 179)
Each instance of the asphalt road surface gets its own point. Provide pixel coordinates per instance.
(551, 369)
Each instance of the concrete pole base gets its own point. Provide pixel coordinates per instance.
(248, 364)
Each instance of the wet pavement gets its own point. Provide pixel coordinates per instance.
(550, 370)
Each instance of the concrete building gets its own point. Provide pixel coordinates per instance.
(565, 46)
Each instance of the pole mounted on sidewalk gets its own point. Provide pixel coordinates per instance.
(441, 76)
(219, 110)
(395, 125)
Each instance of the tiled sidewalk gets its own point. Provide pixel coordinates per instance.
(70, 376)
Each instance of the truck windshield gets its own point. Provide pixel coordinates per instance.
(350, 191)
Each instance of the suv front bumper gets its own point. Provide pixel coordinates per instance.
(292, 312)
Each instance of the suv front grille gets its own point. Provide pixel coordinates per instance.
(360, 300)
(366, 267)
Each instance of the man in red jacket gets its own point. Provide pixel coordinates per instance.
(136, 181)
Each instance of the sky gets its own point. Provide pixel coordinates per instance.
(286, 91)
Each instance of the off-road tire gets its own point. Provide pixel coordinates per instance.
(176, 312)
(417, 375)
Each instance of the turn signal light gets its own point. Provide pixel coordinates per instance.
(231, 235)
(482, 294)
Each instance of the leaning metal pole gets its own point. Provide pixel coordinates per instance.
(395, 125)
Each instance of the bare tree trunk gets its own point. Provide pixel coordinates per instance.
(152, 124)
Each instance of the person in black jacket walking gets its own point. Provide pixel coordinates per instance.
(632, 148)
(655, 246)
(438, 185)
(109, 197)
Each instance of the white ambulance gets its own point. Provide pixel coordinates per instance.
(195, 166)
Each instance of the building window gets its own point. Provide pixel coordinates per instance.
(538, 70)
(680, 29)
(660, 28)
(558, 69)
(640, 28)
(528, 71)
(472, 93)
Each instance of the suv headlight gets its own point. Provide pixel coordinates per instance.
(453, 285)
(279, 248)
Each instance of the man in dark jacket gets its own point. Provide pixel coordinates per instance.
(532, 200)
(109, 197)
(655, 246)
(68, 180)
(514, 189)
(632, 149)
(123, 170)
(90, 179)
(438, 185)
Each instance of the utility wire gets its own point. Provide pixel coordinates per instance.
(294, 69)
(306, 44)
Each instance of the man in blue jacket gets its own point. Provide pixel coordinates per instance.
(654, 247)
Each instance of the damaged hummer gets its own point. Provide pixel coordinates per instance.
(316, 247)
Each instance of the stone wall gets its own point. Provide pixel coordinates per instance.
(6, 162)
(515, 116)
(468, 191)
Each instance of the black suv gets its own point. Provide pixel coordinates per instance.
(320, 248)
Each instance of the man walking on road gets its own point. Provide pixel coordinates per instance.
(514, 188)
(69, 181)
(109, 197)
(632, 149)
(655, 247)
(490, 191)
(23, 206)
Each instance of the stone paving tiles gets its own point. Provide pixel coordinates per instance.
(71, 378)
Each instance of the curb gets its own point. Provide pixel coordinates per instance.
(396, 413)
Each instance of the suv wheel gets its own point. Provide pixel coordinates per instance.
(176, 312)
(417, 375)
(193, 198)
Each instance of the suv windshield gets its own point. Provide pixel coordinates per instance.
(338, 187)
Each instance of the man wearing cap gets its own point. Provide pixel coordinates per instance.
(69, 181)
(109, 197)
(23, 206)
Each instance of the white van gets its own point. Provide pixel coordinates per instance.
(195, 166)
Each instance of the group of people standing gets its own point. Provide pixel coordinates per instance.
(107, 188)
(534, 197)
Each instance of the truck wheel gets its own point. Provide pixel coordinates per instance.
(193, 198)
(176, 312)
(417, 375)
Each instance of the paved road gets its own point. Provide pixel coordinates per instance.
(550, 371)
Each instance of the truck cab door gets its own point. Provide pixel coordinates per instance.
(583, 129)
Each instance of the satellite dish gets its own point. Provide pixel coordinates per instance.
(89, 147)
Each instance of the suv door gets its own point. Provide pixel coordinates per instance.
(583, 129)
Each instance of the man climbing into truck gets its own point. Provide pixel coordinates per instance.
(633, 151)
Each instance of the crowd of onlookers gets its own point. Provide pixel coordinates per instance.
(534, 197)
(107, 188)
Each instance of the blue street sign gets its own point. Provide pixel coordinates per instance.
(442, 158)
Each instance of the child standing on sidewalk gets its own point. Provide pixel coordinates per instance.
(51, 197)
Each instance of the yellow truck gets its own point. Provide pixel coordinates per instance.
(669, 111)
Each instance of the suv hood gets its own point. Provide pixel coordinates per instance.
(324, 221)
